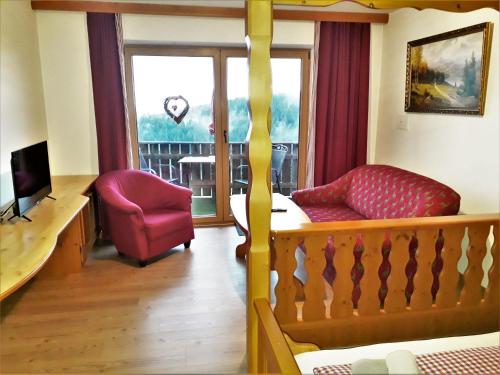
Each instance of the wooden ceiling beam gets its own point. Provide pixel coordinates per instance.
(200, 11)
(296, 15)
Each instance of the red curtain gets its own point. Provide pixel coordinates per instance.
(341, 100)
(108, 92)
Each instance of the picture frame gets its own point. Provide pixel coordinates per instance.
(448, 73)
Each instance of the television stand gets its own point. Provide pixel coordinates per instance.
(22, 216)
(58, 240)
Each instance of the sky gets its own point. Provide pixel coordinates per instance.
(157, 77)
(285, 77)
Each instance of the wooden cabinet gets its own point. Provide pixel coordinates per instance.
(88, 226)
(66, 257)
(74, 243)
(57, 240)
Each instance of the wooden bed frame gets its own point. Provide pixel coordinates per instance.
(460, 307)
(267, 348)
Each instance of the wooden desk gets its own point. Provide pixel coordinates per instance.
(61, 233)
(279, 220)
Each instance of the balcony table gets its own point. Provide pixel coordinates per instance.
(189, 160)
(163, 157)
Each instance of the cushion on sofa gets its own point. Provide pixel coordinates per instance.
(331, 213)
(333, 193)
(384, 192)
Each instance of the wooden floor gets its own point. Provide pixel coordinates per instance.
(184, 313)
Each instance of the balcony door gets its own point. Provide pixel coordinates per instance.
(289, 107)
(188, 120)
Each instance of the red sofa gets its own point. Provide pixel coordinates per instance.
(145, 215)
(378, 192)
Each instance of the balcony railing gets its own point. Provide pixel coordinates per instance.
(163, 158)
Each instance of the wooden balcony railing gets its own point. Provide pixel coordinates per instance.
(163, 158)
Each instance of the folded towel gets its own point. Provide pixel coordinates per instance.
(401, 362)
(369, 366)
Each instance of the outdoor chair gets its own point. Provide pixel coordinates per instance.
(278, 155)
(173, 173)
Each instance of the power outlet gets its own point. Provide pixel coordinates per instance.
(403, 122)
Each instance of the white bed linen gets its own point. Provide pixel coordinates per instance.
(308, 361)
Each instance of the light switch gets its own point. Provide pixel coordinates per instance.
(403, 122)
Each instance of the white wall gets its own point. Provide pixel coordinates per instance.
(67, 84)
(376, 47)
(460, 151)
(211, 31)
(22, 113)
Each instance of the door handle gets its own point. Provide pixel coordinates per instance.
(225, 136)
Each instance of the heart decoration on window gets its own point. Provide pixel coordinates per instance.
(176, 107)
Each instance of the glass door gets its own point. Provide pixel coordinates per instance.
(289, 116)
(188, 116)
(171, 95)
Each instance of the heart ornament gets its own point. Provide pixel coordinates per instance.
(176, 107)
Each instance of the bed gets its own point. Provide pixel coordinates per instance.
(338, 358)
(440, 303)
(417, 306)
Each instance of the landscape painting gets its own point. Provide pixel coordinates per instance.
(447, 73)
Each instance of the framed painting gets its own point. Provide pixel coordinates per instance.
(448, 73)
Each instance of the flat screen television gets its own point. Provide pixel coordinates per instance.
(30, 176)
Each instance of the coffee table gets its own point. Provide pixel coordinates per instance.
(279, 220)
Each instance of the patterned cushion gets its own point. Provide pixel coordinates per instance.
(384, 192)
(331, 213)
(331, 194)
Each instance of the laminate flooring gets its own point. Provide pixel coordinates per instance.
(184, 313)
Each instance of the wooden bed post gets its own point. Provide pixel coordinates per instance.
(258, 39)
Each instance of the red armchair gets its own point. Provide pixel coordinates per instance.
(145, 215)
